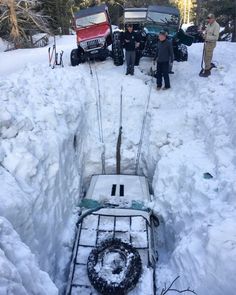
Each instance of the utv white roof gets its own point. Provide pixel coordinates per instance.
(125, 187)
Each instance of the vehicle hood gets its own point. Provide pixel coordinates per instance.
(93, 32)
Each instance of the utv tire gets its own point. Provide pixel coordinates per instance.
(117, 49)
(111, 260)
(74, 57)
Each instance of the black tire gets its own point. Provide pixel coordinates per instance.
(102, 58)
(74, 57)
(117, 49)
(116, 258)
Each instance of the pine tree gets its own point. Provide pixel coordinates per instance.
(59, 13)
(225, 12)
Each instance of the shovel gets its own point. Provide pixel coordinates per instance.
(203, 54)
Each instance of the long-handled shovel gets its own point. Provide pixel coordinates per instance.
(203, 54)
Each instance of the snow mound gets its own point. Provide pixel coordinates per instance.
(19, 271)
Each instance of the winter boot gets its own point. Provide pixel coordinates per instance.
(213, 66)
(205, 74)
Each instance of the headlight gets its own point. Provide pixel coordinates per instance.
(83, 44)
(101, 40)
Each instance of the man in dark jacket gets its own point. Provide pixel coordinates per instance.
(164, 56)
(131, 43)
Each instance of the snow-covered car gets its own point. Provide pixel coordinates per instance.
(115, 245)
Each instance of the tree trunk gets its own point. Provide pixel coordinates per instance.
(15, 33)
(234, 31)
(199, 11)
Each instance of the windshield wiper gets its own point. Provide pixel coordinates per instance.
(94, 23)
(80, 26)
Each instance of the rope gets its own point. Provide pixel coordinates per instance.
(90, 68)
(121, 104)
(99, 117)
(118, 144)
(137, 165)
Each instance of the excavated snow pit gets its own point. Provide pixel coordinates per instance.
(50, 146)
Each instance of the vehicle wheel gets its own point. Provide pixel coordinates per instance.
(74, 57)
(117, 49)
(114, 267)
(102, 58)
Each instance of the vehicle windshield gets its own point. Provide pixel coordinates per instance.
(91, 20)
(163, 18)
(135, 14)
(155, 29)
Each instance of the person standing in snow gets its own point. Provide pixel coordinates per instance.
(211, 36)
(168, 38)
(164, 56)
(131, 44)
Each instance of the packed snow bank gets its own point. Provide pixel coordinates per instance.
(195, 176)
(41, 129)
(19, 271)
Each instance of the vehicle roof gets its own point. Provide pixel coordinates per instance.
(135, 188)
(163, 9)
(91, 10)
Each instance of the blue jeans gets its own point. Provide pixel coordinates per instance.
(130, 61)
(163, 72)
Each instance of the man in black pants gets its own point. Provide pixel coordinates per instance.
(131, 43)
(164, 56)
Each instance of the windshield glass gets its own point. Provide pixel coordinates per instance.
(163, 18)
(91, 20)
(155, 29)
(135, 14)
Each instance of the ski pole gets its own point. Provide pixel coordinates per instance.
(61, 60)
(49, 57)
(51, 54)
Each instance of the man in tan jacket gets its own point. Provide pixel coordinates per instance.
(211, 36)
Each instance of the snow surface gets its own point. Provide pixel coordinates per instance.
(49, 148)
(19, 271)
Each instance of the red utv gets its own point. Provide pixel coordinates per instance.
(94, 35)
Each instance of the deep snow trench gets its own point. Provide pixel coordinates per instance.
(50, 147)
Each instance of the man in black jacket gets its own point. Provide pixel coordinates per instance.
(131, 43)
(164, 56)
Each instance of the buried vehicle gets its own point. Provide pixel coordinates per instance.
(94, 35)
(148, 22)
(115, 246)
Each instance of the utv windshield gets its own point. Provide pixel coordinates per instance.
(91, 20)
(135, 14)
(163, 18)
